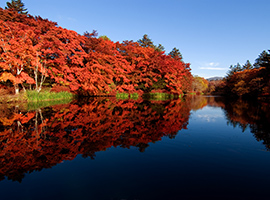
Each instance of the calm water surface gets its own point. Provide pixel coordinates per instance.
(108, 149)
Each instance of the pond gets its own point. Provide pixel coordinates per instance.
(110, 149)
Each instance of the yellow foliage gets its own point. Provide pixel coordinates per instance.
(7, 76)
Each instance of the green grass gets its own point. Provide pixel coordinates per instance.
(34, 96)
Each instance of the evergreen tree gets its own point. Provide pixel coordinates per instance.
(146, 42)
(18, 6)
(263, 60)
(175, 53)
(233, 69)
(159, 48)
(248, 65)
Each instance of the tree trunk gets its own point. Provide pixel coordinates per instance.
(17, 89)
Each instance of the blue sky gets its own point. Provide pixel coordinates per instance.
(210, 34)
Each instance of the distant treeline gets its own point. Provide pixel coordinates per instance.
(248, 80)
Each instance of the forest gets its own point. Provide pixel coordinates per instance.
(36, 53)
(245, 81)
(250, 80)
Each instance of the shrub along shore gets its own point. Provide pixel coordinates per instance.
(33, 95)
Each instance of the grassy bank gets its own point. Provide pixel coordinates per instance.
(31, 99)
(34, 96)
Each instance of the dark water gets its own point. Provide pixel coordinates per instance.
(108, 149)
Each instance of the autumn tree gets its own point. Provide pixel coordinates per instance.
(104, 37)
(17, 5)
(36, 51)
(250, 80)
(153, 70)
(16, 51)
(216, 87)
(61, 56)
(199, 84)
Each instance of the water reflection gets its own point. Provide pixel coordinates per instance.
(253, 115)
(33, 140)
(42, 138)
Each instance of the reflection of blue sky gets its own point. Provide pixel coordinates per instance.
(208, 114)
(209, 118)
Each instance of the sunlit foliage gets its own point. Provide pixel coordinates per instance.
(35, 52)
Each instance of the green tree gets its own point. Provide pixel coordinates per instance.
(146, 42)
(263, 60)
(18, 6)
(233, 69)
(175, 53)
(248, 65)
(159, 48)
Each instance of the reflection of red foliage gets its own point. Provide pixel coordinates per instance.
(213, 101)
(254, 115)
(41, 139)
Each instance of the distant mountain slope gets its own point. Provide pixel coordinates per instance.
(216, 78)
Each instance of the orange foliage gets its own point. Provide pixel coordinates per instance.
(34, 50)
(246, 82)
